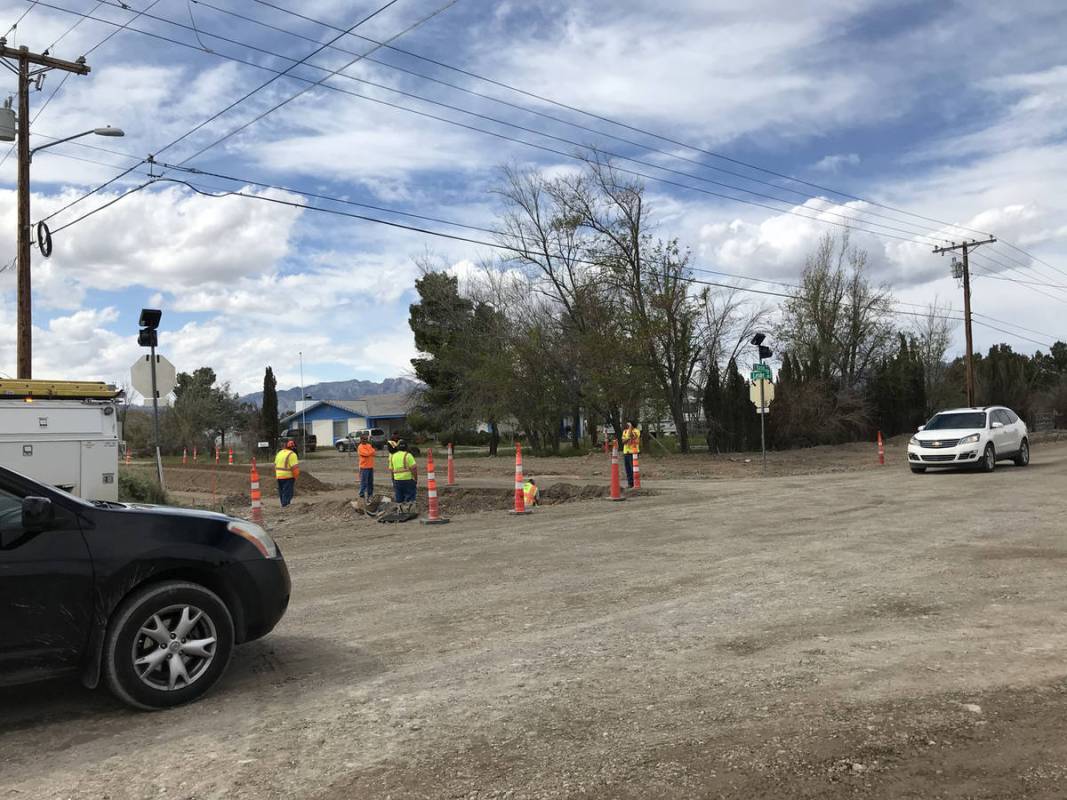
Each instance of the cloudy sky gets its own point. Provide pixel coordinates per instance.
(937, 114)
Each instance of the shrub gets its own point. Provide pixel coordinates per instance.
(140, 489)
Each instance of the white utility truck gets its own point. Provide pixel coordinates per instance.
(64, 433)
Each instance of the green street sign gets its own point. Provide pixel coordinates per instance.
(761, 372)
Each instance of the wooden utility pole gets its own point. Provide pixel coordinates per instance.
(966, 277)
(26, 76)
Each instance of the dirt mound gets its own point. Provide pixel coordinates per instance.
(464, 500)
(233, 483)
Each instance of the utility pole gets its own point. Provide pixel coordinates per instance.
(965, 275)
(26, 76)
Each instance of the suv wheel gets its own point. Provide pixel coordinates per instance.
(989, 459)
(341, 447)
(167, 644)
(1023, 458)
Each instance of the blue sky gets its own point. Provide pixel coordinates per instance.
(955, 111)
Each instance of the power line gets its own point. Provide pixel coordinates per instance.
(617, 123)
(857, 213)
(15, 25)
(541, 147)
(518, 107)
(271, 80)
(320, 82)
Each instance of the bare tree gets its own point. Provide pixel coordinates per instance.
(838, 324)
(933, 335)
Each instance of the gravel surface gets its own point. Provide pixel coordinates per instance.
(853, 631)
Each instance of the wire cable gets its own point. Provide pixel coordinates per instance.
(321, 81)
(856, 214)
(528, 110)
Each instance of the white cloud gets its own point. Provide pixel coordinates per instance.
(836, 163)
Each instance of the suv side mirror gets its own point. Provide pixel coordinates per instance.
(922, 428)
(996, 425)
(38, 514)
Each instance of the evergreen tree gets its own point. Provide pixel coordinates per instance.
(712, 405)
(268, 412)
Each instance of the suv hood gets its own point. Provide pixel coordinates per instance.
(947, 433)
(170, 511)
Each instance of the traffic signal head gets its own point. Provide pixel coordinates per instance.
(148, 337)
(150, 318)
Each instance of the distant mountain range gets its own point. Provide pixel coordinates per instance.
(334, 390)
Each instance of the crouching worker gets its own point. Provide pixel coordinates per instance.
(405, 474)
(531, 494)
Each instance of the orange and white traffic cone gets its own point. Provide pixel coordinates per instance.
(127, 456)
(616, 488)
(520, 495)
(231, 457)
(185, 456)
(637, 473)
(257, 496)
(194, 455)
(216, 456)
(451, 466)
(881, 449)
(434, 517)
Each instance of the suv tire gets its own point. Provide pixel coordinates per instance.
(138, 658)
(989, 459)
(341, 447)
(1023, 457)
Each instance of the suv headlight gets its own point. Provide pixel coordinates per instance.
(914, 441)
(254, 534)
(974, 438)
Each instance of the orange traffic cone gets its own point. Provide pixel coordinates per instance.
(451, 466)
(127, 456)
(257, 497)
(520, 495)
(637, 473)
(435, 517)
(194, 455)
(881, 449)
(185, 456)
(231, 457)
(616, 488)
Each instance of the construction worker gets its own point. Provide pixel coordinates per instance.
(392, 443)
(286, 470)
(631, 444)
(405, 474)
(531, 493)
(366, 453)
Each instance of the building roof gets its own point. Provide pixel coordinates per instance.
(375, 406)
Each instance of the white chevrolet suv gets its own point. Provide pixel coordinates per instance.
(970, 437)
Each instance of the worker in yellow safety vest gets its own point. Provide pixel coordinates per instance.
(286, 470)
(405, 474)
(531, 494)
(631, 444)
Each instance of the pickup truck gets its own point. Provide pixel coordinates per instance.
(297, 435)
(350, 441)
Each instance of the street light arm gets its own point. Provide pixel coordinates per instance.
(98, 131)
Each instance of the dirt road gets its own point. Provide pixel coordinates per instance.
(866, 633)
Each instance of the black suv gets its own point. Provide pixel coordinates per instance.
(152, 599)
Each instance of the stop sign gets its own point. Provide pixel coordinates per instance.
(141, 376)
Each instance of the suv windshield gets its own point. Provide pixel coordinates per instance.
(971, 419)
